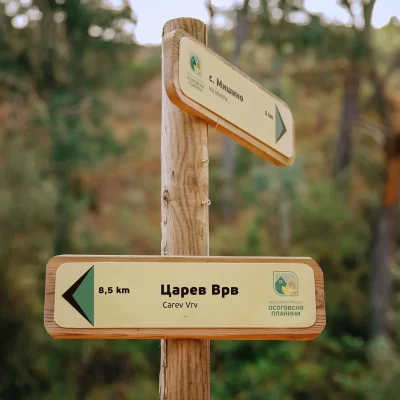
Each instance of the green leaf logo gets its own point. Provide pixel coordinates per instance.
(195, 63)
(286, 283)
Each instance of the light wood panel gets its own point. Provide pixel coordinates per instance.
(171, 46)
(206, 333)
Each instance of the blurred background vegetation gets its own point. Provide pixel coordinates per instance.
(80, 112)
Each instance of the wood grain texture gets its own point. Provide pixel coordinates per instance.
(185, 364)
(206, 333)
(171, 44)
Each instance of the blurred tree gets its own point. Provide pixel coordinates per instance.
(68, 48)
(55, 58)
(356, 46)
(26, 221)
(213, 39)
(385, 238)
(240, 16)
(358, 54)
(229, 146)
(278, 187)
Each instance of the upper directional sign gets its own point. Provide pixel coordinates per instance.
(200, 297)
(204, 84)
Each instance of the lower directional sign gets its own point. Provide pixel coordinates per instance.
(184, 297)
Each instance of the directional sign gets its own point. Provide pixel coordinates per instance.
(203, 84)
(177, 297)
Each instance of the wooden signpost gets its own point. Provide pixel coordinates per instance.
(186, 297)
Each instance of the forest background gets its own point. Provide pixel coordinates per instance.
(80, 115)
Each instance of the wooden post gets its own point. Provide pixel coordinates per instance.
(185, 364)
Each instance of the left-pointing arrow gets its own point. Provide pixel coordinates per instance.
(81, 295)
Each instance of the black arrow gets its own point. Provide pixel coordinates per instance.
(280, 128)
(69, 296)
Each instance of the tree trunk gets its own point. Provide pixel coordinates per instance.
(285, 244)
(381, 279)
(63, 217)
(351, 96)
(384, 246)
(350, 112)
(212, 36)
(229, 146)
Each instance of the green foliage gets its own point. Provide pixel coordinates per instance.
(58, 50)
(26, 220)
(135, 73)
(64, 137)
(316, 37)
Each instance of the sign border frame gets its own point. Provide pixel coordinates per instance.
(171, 49)
(182, 333)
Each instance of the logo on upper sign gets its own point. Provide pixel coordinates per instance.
(286, 283)
(195, 63)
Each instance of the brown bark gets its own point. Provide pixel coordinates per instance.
(349, 115)
(285, 242)
(229, 146)
(212, 36)
(381, 279)
(351, 95)
(384, 246)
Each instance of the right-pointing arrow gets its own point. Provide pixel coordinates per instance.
(81, 295)
(280, 128)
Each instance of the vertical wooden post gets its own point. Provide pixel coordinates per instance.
(185, 364)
